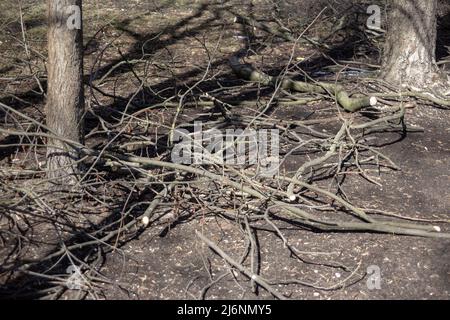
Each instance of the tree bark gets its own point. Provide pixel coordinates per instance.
(409, 56)
(65, 95)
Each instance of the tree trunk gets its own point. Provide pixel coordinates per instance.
(409, 56)
(65, 96)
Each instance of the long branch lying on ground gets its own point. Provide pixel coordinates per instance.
(246, 72)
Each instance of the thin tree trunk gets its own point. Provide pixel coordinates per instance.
(65, 96)
(409, 55)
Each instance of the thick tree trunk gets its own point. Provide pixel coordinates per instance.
(65, 96)
(409, 55)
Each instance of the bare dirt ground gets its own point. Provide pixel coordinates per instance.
(167, 260)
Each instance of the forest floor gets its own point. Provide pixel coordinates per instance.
(173, 42)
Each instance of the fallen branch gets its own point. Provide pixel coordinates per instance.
(247, 72)
(258, 279)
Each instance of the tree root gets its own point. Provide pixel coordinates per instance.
(426, 96)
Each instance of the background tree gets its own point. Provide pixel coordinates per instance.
(409, 56)
(65, 96)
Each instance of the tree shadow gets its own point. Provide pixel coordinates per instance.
(443, 37)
